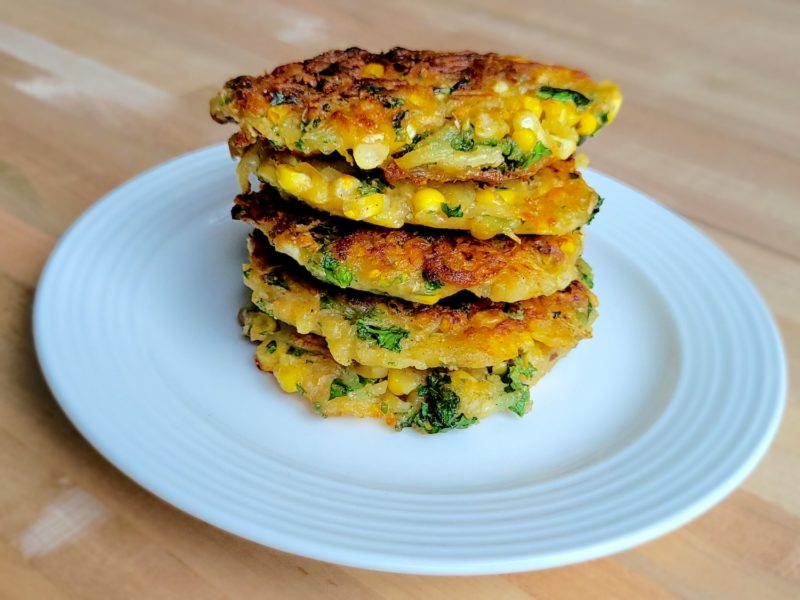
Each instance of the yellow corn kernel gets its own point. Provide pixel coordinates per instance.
(525, 119)
(525, 139)
(372, 70)
(403, 381)
(588, 124)
(462, 376)
(533, 105)
(501, 87)
(568, 247)
(500, 368)
(486, 196)
(565, 148)
(581, 160)
(425, 299)
(288, 377)
(370, 372)
(359, 209)
(345, 186)
(293, 182)
(487, 318)
(509, 196)
(276, 114)
(374, 274)
(428, 200)
(370, 155)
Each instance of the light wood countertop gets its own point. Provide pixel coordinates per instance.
(93, 92)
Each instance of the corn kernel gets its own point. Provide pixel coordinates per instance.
(487, 318)
(533, 105)
(373, 70)
(486, 196)
(525, 119)
(374, 274)
(500, 368)
(565, 148)
(462, 376)
(403, 381)
(370, 155)
(276, 114)
(581, 160)
(588, 124)
(359, 209)
(568, 247)
(501, 87)
(288, 377)
(421, 299)
(345, 186)
(428, 200)
(370, 372)
(525, 139)
(293, 182)
(509, 196)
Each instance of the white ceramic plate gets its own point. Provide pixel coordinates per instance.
(640, 429)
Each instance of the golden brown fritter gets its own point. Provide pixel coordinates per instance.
(554, 201)
(411, 263)
(373, 330)
(431, 401)
(421, 114)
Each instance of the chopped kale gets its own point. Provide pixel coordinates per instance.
(596, 210)
(410, 146)
(325, 301)
(299, 388)
(271, 346)
(301, 146)
(562, 95)
(517, 158)
(586, 275)
(276, 279)
(463, 140)
(335, 272)
(513, 378)
(393, 102)
(397, 121)
(281, 98)
(338, 389)
(385, 337)
(446, 91)
(372, 185)
(295, 351)
(262, 306)
(440, 407)
(247, 273)
(450, 211)
(432, 283)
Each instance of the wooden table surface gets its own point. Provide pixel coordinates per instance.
(93, 92)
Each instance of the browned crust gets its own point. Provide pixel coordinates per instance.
(320, 83)
(445, 256)
(424, 175)
(453, 313)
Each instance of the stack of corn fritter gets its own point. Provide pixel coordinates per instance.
(418, 228)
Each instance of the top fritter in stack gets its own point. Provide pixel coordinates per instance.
(416, 255)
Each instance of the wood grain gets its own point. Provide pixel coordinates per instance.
(93, 92)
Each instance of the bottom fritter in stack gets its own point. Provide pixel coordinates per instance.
(431, 295)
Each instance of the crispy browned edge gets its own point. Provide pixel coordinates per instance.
(445, 256)
(457, 309)
(322, 86)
